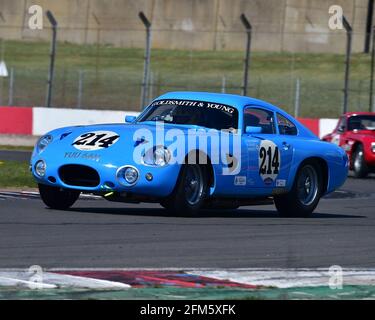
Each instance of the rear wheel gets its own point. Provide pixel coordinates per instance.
(57, 198)
(360, 167)
(190, 191)
(305, 194)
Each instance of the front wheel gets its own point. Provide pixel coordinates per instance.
(305, 194)
(190, 191)
(359, 164)
(57, 198)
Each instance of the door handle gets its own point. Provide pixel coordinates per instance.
(286, 146)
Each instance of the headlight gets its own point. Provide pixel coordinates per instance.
(127, 175)
(43, 142)
(40, 168)
(373, 147)
(158, 156)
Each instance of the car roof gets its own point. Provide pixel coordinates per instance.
(233, 100)
(236, 101)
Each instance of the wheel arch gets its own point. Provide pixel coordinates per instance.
(322, 163)
(197, 155)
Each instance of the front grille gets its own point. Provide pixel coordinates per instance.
(79, 175)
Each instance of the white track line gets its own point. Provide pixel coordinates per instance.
(50, 280)
(24, 195)
(280, 278)
(289, 278)
(277, 277)
(11, 282)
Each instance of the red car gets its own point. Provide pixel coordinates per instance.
(355, 133)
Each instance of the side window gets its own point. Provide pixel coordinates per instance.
(256, 117)
(285, 126)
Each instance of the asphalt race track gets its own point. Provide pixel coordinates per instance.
(15, 155)
(99, 234)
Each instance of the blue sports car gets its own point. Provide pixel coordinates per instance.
(190, 151)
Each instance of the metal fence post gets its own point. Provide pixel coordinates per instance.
(248, 28)
(297, 99)
(150, 86)
(53, 22)
(371, 104)
(223, 84)
(97, 48)
(80, 88)
(11, 86)
(146, 69)
(349, 31)
(370, 14)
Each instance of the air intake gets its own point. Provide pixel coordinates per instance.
(79, 175)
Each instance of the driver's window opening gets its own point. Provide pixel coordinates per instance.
(256, 117)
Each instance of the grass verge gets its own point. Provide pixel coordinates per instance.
(16, 148)
(15, 174)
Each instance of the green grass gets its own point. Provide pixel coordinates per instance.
(112, 76)
(15, 174)
(16, 148)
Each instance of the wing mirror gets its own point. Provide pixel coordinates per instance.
(129, 119)
(250, 129)
(341, 129)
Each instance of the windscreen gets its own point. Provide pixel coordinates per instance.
(188, 112)
(361, 122)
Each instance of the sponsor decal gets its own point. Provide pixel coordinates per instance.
(269, 161)
(240, 180)
(280, 183)
(268, 181)
(221, 147)
(82, 155)
(192, 103)
(95, 140)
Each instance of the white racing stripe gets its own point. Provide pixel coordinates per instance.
(49, 280)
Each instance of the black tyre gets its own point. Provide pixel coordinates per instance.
(360, 167)
(190, 191)
(305, 194)
(57, 198)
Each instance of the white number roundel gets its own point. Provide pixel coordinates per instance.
(269, 161)
(95, 140)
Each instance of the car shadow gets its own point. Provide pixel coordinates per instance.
(239, 213)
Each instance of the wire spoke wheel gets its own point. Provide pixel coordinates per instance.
(358, 161)
(307, 185)
(360, 167)
(193, 185)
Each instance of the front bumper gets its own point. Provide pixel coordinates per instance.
(162, 184)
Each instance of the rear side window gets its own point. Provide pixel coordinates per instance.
(256, 117)
(285, 126)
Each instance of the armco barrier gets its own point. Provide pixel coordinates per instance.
(46, 119)
(16, 120)
(38, 120)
